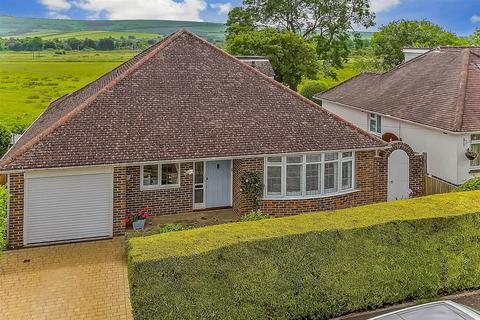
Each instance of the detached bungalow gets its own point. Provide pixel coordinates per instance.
(431, 102)
(173, 130)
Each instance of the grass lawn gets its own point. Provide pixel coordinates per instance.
(347, 72)
(311, 266)
(28, 83)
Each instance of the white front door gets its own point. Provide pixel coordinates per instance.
(398, 175)
(70, 204)
(218, 183)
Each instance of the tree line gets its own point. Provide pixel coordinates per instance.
(110, 43)
(302, 38)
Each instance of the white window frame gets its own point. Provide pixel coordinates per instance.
(304, 195)
(378, 123)
(160, 185)
(474, 142)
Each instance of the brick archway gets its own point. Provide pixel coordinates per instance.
(417, 162)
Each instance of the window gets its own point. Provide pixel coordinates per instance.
(160, 175)
(475, 147)
(375, 123)
(309, 175)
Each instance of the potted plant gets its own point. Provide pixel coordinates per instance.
(137, 219)
(471, 155)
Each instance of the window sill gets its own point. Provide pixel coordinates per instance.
(153, 188)
(474, 170)
(327, 195)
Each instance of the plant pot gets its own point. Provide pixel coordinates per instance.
(138, 225)
(471, 155)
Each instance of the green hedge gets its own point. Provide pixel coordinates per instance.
(3, 216)
(470, 185)
(313, 266)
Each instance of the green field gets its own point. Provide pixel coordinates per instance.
(29, 83)
(56, 28)
(94, 35)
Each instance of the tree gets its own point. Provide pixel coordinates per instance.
(311, 88)
(106, 44)
(474, 39)
(5, 138)
(291, 56)
(34, 44)
(328, 23)
(239, 20)
(389, 41)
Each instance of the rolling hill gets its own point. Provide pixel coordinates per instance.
(56, 28)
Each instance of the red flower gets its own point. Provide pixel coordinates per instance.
(126, 220)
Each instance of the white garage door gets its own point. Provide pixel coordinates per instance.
(62, 205)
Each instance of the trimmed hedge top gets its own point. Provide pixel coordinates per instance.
(201, 240)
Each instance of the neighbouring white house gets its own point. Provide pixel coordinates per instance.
(431, 102)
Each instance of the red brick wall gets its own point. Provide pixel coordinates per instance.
(15, 217)
(240, 204)
(119, 200)
(160, 201)
(368, 178)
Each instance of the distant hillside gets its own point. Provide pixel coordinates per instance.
(51, 28)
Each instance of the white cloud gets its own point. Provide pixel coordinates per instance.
(222, 8)
(383, 5)
(145, 9)
(56, 8)
(56, 5)
(57, 15)
(475, 19)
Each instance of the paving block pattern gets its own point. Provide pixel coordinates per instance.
(71, 281)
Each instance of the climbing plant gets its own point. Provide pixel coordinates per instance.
(252, 187)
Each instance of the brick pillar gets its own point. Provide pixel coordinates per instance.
(15, 216)
(119, 200)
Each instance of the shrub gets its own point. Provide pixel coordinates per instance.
(3, 216)
(311, 266)
(173, 227)
(311, 88)
(5, 139)
(252, 186)
(254, 215)
(470, 185)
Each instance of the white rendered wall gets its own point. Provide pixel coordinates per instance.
(445, 150)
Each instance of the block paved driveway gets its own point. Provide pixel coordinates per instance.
(71, 281)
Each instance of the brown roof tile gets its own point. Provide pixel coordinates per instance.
(439, 88)
(180, 99)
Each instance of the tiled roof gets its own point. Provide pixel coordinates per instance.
(180, 99)
(262, 64)
(440, 88)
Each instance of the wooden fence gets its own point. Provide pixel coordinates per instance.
(434, 186)
(3, 179)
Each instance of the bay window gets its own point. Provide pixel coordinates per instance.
(309, 175)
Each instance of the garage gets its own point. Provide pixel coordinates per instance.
(68, 205)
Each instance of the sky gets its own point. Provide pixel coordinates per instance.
(459, 16)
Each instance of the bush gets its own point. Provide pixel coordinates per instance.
(255, 215)
(173, 227)
(252, 186)
(5, 139)
(470, 185)
(311, 266)
(3, 216)
(311, 88)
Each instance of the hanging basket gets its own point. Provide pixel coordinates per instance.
(471, 155)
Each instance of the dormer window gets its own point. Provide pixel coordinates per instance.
(375, 123)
